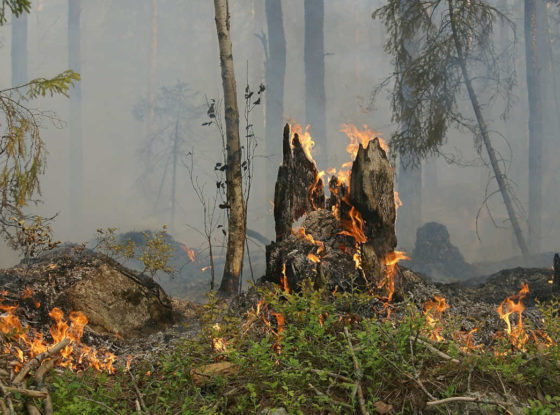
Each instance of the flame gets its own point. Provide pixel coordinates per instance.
(354, 226)
(305, 139)
(313, 258)
(280, 322)
(34, 344)
(189, 252)
(27, 292)
(398, 201)
(205, 268)
(433, 310)
(513, 304)
(390, 263)
(466, 340)
(284, 279)
(361, 137)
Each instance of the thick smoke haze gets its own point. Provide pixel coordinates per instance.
(115, 62)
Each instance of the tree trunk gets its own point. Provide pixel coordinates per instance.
(314, 60)
(275, 73)
(409, 216)
(19, 50)
(75, 120)
(500, 177)
(235, 201)
(174, 175)
(152, 77)
(533, 69)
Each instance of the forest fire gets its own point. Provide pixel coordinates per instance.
(27, 343)
(189, 252)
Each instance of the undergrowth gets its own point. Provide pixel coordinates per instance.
(293, 351)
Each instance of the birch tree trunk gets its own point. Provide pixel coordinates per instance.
(75, 120)
(235, 201)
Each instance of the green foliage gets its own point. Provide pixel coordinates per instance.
(17, 7)
(291, 351)
(551, 405)
(427, 81)
(33, 239)
(22, 150)
(154, 254)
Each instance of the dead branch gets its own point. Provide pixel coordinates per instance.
(8, 400)
(434, 350)
(38, 359)
(32, 393)
(467, 399)
(359, 374)
(32, 409)
(138, 394)
(43, 369)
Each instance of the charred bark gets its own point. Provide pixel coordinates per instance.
(299, 189)
(371, 193)
(236, 203)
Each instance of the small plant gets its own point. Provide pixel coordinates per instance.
(154, 254)
(32, 239)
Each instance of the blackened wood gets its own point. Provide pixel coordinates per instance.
(371, 193)
(299, 189)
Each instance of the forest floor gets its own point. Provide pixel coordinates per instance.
(317, 352)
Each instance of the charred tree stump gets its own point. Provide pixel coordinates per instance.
(346, 244)
(299, 189)
(371, 193)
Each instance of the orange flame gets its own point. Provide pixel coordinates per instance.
(305, 139)
(390, 263)
(189, 252)
(513, 304)
(361, 137)
(284, 279)
(433, 310)
(354, 226)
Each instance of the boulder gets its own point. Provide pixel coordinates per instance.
(116, 300)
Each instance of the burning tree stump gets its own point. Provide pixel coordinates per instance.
(348, 242)
(299, 188)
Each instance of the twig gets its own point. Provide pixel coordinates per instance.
(8, 400)
(38, 359)
(48, 402)
(333, 375)
(466, 399)
(32, 393)
(43, 369)
(359, 374)
(334, 401)
(101, 404)
(140, 399)
(3, 407)
(32, 409)
(434, 350)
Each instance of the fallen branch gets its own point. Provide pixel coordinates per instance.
(32, 393)
(6, 395)
(334, 401)
(466, 399)
(43, 369)
(101, 404)
(434, 350)
(359, 374)
(38, 359)
(32, 409)
(138, 394)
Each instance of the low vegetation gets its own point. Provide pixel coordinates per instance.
(312, 353)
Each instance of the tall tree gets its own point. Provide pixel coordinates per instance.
(457, 40)
(274, 79)
(75, 122)
(314, 61)
(534, 30)
(19, 49)
(234, 181)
